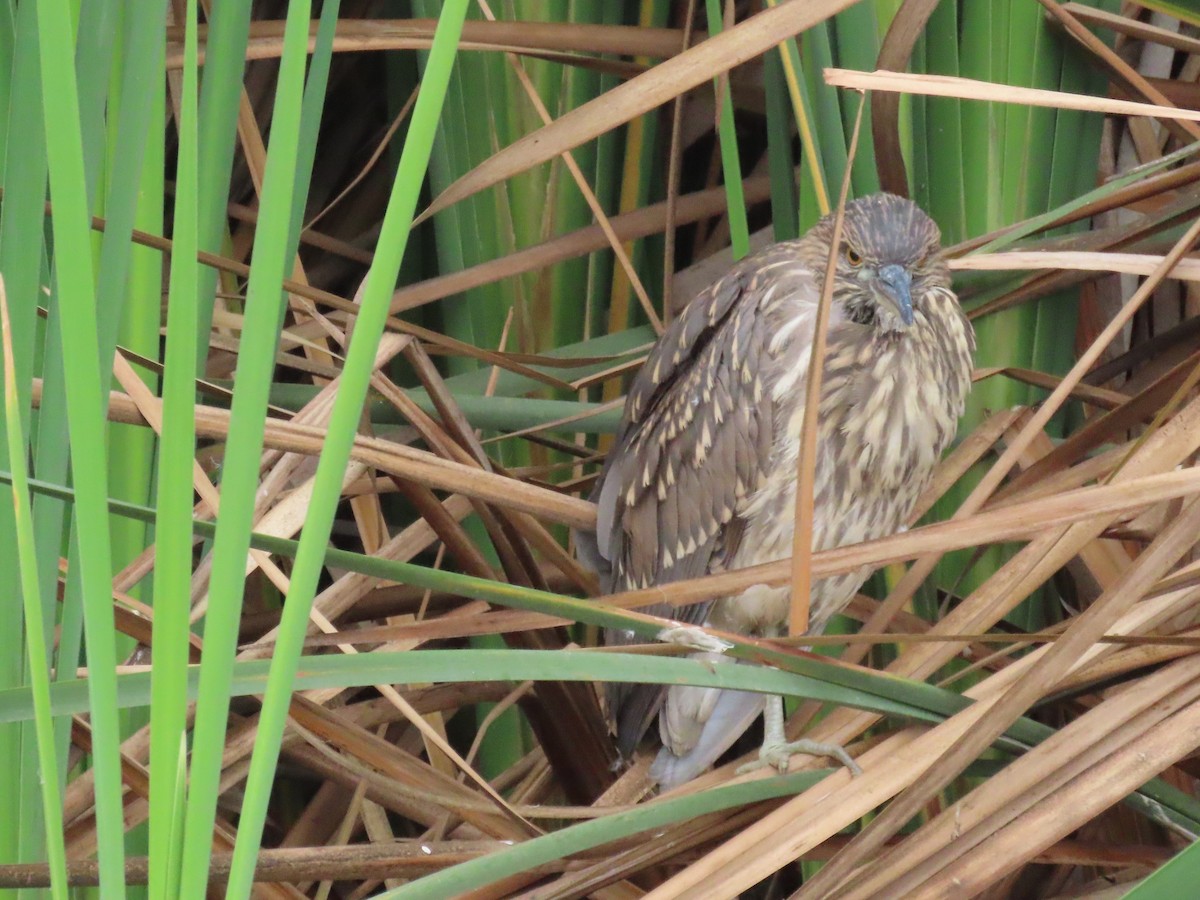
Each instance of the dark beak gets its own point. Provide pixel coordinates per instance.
(897, 286)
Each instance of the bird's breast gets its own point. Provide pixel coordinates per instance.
(887, 411)
(889, 408)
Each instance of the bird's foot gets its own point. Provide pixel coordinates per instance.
(777, 755)
(693, 638)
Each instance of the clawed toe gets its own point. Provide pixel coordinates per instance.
(778, 755)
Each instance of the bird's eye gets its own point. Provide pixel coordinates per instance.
(853, 257)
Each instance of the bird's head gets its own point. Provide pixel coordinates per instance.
(887, 261)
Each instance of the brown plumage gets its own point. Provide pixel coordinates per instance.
(702, 476)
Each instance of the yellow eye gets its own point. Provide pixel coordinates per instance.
(853, 257)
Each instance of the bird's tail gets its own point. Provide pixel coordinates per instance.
(732, 714)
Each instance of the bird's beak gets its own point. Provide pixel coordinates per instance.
(897, 288)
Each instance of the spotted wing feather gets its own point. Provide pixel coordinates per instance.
(694, 443)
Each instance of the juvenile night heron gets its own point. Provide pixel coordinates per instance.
(702, 477)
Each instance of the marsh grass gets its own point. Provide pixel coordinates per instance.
(369, 310)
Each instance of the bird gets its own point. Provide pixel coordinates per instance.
(702, 475)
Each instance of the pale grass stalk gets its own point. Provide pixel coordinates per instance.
(1187, 269)
(972, 89)
(624, 367)
(537, 38)
(379, 832)
(806, 460)
(1012, 521)
(1130, 27)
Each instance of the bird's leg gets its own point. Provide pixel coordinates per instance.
(777, 750)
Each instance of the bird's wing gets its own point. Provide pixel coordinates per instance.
(695, 442)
